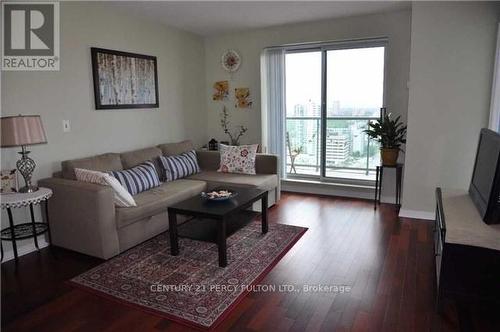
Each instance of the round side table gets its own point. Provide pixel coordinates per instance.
(24, 230)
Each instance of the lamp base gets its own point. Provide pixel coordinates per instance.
(26, 166)
(28, 189)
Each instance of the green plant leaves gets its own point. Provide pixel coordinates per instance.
(390, 133)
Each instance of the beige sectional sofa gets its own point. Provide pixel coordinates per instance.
(84, 218)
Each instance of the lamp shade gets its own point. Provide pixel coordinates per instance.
(22, 130)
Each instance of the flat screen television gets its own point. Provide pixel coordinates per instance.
(484, 188)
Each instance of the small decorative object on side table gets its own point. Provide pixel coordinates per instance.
(25, 230)
(23, 130)
(213, 145)
(379, 176)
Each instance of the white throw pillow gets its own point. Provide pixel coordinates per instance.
(238, 159)
(122, 197)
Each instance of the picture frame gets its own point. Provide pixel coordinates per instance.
(221, 91)
(124, 80)
(8, 181)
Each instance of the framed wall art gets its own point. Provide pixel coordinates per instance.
(124, 80)
(221, 90)
(243, 99)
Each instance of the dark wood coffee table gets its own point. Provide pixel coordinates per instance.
(220, 211)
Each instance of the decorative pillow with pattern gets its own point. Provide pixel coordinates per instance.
(179, 166)
(139, 178)
(122, 197)
(238, 159)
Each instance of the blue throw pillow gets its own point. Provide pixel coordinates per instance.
(182, 165)
(139, 178)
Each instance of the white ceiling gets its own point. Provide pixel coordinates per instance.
(209, 18)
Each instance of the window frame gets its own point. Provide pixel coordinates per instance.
(324, 47)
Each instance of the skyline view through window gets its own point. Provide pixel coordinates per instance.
(354, 95)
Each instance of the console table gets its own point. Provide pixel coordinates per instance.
(24, 230)
(467, 250)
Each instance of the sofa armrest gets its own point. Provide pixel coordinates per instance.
(264, 163)
(82, 217)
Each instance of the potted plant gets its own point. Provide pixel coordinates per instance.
(233, 136)
(390, 133)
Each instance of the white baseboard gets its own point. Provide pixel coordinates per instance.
(329, 189)
(23, 249)
(417, 214)
(333, 189)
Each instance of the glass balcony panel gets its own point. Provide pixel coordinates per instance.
(303, 146)
(349, 151)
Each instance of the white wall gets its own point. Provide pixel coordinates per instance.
(452, 55)
(68, 93)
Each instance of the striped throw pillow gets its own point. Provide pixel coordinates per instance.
(182, 165)
(139, 178)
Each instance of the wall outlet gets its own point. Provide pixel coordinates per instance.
(66, 126)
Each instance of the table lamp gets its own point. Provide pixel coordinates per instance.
(23, 130)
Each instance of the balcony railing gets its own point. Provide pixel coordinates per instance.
(349, 151)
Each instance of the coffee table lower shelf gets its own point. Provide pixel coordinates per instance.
(205, 229)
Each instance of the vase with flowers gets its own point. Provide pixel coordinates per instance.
(234, 134)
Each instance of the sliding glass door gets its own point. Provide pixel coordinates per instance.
(303, 112)
(331, 96)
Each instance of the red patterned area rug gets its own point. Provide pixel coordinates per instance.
(191, 288)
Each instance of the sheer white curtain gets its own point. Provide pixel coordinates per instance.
(273, 103)
(495, 91)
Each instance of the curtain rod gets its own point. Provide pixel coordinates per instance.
(347, 42)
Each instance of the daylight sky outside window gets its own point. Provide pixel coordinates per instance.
(355, 81)
(303, 83)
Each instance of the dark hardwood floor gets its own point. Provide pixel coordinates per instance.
(387, 262)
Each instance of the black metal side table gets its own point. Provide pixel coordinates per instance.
(24, 230)
(379, 176)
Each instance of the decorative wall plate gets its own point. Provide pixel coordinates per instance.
(231, 60)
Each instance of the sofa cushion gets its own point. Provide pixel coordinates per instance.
(216, 179)
(208, 160)
(264, 163)
(157, 200)
(180, 166)
(238, 159)
(172, 149)
(136, 157)
(104, 162)
(139, 178)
